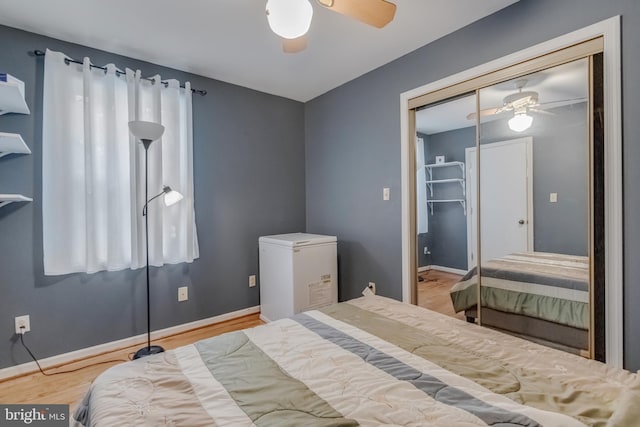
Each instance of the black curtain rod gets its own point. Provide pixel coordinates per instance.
(118, 72)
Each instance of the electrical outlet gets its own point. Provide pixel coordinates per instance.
(252, 280)
(372, 286)
(183, 294)
(425, 250)
(23, 324)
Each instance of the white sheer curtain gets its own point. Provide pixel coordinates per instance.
(93, 170)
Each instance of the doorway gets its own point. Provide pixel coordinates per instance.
(443, 134)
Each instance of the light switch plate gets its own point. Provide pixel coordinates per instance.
(252, 280)
(386, 193)
(553, 197)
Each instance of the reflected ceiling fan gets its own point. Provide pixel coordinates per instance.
(521, 103)
(290, 19)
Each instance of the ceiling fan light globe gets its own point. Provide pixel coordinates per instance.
(520, 122)
(289, 19)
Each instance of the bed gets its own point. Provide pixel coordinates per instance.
(371, 361)
(538, 295)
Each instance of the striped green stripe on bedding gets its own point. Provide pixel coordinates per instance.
(242, 368)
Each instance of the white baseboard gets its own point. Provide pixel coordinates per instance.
(425, 268)
(445, 269)
(60, 359)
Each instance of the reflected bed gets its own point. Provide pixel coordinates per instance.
(370, 361)
(540, 295)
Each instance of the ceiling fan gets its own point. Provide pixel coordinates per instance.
(521, 103)
(291, 19)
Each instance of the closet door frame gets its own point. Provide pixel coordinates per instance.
(502, 69)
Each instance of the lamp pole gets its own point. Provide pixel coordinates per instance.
(146, 144)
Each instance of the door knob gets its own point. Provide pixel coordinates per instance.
(521, 222)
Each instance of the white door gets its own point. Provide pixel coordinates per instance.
(506, 198)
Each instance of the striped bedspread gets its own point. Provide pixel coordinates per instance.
(546, 286)
(371, 362)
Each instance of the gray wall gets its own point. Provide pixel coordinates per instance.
(353, 141)
(249, 181)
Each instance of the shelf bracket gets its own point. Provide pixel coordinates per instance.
(5, 199)
(463, 203)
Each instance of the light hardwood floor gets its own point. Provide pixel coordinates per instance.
(433, 292)
(70, 388)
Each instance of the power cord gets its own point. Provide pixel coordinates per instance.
(61, 372)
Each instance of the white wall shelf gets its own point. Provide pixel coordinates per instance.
(5, 199)
(444, 165)
(444, 181)
(12, 101)
(12, 97)
(430, 182)
(12, 143)
(462, 202)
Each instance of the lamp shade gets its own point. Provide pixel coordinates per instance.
(520, 122)
(148, 131)
(289, 19)
(171, 197)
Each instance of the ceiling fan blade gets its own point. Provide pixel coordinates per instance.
(294, 45)
(539, 111)
(564, 101)
(485, 112)
(377, 13)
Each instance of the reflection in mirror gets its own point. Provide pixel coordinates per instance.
(443, 135)
(534, 206)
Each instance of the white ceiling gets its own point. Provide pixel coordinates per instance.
(562, 85)
(230, 40)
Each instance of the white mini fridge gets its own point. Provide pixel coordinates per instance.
(298, 272)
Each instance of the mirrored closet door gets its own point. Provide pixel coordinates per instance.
(509, 173)
(534, 206)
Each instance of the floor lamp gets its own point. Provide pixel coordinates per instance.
(147, 132)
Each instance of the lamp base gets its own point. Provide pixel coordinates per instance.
(148, 351)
